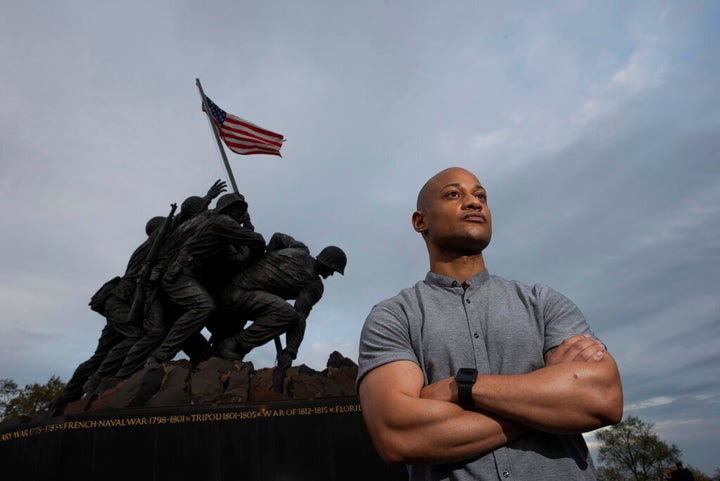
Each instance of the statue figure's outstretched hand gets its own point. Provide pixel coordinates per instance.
(217, 188)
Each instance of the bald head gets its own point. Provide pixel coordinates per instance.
(452, 212)
(438, 181)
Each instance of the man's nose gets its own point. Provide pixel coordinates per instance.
(472, 202)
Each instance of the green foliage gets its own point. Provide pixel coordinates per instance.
(699, 475)
(30, 401)
(8, 390)
(632, 451)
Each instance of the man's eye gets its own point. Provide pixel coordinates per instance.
(481, 196)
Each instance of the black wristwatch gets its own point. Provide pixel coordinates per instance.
(465, 379)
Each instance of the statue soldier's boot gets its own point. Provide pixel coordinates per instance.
(230, 349)
(153, 363)
(107, 383)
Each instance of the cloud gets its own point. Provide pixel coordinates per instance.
(656, 401)
(490, 140)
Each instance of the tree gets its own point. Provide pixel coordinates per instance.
(631, 451)
(8, 390)
(699, 475)
(32, 400)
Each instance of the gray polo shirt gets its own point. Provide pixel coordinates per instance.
(498, 327)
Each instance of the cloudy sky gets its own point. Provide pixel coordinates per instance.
(595, 127)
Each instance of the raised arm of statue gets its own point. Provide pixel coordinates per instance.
(217, 188)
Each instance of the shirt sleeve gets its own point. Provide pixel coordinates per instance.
(561, 316)
(385, 338)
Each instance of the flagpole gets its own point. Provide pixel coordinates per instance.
(277, 380)
(217, 137)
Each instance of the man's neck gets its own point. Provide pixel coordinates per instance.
(461, 268)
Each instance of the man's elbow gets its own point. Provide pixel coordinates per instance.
(609, 395)
(392, 457)
(610, 406)
(398, 446)
(614, 410)
(392, 449)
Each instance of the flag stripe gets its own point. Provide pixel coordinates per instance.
(243, 137)
(250, 127)
(234, 143)
(246, 147)
(244, 133)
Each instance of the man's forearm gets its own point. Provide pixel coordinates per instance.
(408, 429)
(565, 398)
(424, 431)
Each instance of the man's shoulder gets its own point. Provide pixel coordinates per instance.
(408, 294)
(534, 290)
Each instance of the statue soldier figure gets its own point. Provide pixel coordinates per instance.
(155, 315)
(113, 301)
(259, 293)
(151, 313)
(199, 261)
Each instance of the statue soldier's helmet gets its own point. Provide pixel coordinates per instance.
(154, 224)
(228, 200)
(334, 258)
(193, 205)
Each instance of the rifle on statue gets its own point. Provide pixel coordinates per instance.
(137, 310)
(278, 378)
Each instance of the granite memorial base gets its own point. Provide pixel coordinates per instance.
(277, 441)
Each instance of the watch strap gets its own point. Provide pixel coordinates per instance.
(465, 380)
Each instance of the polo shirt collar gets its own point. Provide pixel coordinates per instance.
(445, 281)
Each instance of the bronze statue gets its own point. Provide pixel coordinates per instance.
(191, 275)
(203, 268)
(114, 301)
(260, 293)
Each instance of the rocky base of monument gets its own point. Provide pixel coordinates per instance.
(220, 381)
(215, 382)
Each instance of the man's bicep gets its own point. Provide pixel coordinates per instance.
(391, 381)
(386, 395)
(384, 390)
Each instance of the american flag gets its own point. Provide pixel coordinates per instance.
(243, 137)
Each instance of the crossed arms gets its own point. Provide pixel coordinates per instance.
(578, 390)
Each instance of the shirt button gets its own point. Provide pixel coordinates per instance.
(467, 300)
(506, 474)
(454, 284)
(476, 335)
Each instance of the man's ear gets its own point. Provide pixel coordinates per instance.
(418, 221)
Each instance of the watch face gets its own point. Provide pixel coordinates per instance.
(466, 374)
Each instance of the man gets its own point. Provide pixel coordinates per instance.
(681, 473)
(533, 377)
(259, 293)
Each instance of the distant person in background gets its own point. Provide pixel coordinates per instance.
(681, 473)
